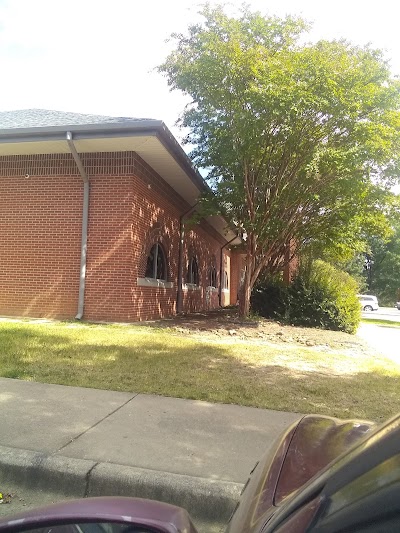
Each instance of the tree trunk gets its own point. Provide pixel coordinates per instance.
(245, 292)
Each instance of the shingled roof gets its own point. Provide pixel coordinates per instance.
(41, 118)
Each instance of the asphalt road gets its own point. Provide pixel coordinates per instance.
(382, 338)
(23, 499)
(384, 313)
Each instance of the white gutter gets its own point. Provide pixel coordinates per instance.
(85, 219)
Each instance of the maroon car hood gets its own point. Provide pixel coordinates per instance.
(316, 442)
(305, 449)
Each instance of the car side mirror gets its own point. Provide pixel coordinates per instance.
(101, 515)
(92, 527)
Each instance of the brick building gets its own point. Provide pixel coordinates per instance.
(92, 222)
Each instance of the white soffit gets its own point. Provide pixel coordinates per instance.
(219, 223)
(154, 153)
(148, 147)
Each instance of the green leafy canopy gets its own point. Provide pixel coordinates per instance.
(298, 138)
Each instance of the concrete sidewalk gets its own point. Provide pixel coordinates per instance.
(88, 442)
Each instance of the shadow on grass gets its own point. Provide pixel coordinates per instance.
(184, 368)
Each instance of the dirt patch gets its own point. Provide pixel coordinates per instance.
(224, 325)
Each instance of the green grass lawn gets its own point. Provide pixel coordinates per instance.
(153, 360)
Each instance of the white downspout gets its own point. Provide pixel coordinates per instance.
(85, 219)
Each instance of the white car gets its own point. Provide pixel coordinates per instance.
(368, 302)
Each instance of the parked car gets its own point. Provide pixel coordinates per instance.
(324, 475)
(368, 302)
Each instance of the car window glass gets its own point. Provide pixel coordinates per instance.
(384, 474)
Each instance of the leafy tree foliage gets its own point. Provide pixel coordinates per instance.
(301, 141)
(320, 296)
(383, 277)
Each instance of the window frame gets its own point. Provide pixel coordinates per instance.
(147, 281)
(158, 247)
(191, 274)
(212, 277)
(225, 281)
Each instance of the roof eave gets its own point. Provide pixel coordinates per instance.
(155, 128)
(91, 131)
(138, 125)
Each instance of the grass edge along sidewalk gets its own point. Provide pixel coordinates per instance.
(345, 381)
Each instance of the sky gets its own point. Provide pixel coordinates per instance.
(98, 56)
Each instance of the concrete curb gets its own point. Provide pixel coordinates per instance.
(204, 499)
(207, 499)
(40, 471)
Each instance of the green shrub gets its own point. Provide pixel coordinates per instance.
(320, 297)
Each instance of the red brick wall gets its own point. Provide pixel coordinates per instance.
(109, 254)
(207, 252)
(156, 217)
(40, 221)
(131, 207)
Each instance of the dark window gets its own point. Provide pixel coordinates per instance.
(156, 266)
(213, 277)
(225, 284)
(193, 272)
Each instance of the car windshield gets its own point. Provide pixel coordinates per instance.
(190, 242)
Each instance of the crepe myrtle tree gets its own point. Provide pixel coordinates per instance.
(297, 138)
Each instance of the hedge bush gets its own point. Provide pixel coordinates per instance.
(320, 297)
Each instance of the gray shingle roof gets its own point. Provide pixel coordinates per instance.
(41, 118)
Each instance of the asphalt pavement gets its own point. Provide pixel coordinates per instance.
(384, 339)
(78, 442)
(384, 313)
